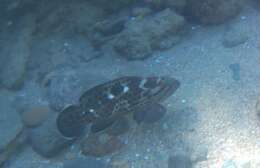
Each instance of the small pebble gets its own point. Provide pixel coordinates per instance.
(35, 116)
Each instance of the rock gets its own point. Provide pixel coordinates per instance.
(155, 5)
(120, 127)
(10, 123)
(14, 147)
(66, 18)
(167, 43)
(141, 36)
(64, 86)
(15, 49)
(105, 30)
(60, 37)
(236, 35)
(178, 5)
(141, 12)
(150, 114)
(84, 162)
(119, 164)
(30, 95)
(49, 54)
(99, 146)
(35, 116)
(229, 164)
(235, 69)
(113, 6)
(180, 161)
(46, 139)
(111, 26)
(211, 12)
(133, 47)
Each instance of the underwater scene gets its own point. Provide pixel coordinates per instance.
(130, 84)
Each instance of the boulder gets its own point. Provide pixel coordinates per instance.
(46, 140)
(15, 48)
(9, 118)
(64, 86)
(211, 12)
(142, 36)
(236, 34)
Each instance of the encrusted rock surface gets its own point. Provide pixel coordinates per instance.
(141, 36)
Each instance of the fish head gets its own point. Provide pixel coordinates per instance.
(160, 88)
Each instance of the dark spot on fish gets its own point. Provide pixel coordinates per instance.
(102, 105)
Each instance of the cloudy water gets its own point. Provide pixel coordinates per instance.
(130, 84)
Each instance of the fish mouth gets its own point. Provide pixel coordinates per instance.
(171, 83)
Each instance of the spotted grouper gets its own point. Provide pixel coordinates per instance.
(103, 104)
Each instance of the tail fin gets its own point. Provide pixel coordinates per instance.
(69, 122)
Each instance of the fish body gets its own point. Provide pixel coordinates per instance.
(105, 103)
